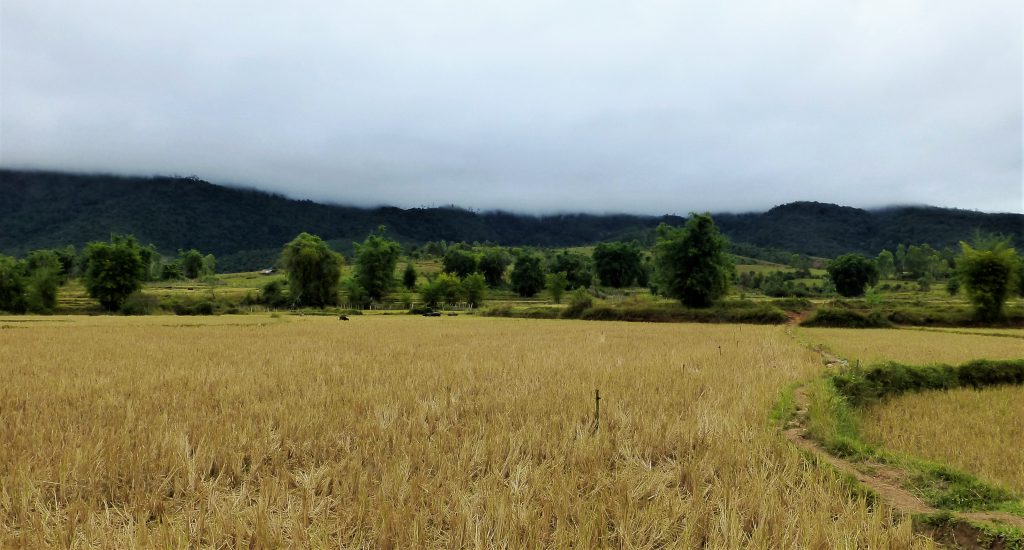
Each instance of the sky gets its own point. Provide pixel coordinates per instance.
(536, 106)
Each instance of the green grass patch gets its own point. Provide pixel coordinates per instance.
(863, 385)
(833, 422)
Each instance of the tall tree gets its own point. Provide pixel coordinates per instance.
(852, 274)
(527, 275)
(409, 276)
(114, 270)
(376, 259)
(988, 272)
(575, 266)
(474, 289)
(691, 263)
(12, 285)
(313, 270)
(886, 264)
(493, 263)
(458, 262)
(901, 257)
(191, 263)
(619, 264)
(556, 285)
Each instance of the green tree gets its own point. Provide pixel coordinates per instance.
(852, 274)
(209, 266)
(43, 281)
(953, 285)
(901, 257)
(575, 266)
(921, 261)
(458, 262)
(474, 289)
(527, 275)
(556, 285)
(68, 262)
(409, 276)
(191, 263)
(171, 271)
(988, 272)
(618, 264)
(151, 260)
(442, 289)
(273, 294)
(356, 293)
(691, 263)
(114, 270)
(313, 269)
(493, 264)
(12, 285)
(376, 259)
(886, 264)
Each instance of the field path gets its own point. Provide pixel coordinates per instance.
(883, 480)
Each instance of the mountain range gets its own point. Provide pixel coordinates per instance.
(245, 228)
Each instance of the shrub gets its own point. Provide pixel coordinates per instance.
(863, 385)
(139, 303)
(579, 301)
(272, 294)
(200, 307)
(845, 318)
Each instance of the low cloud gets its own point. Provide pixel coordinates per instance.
(652, 107)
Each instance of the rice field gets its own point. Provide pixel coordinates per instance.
(400, 432)
(978, 431)
(913, 347)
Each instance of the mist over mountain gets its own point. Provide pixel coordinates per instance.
(246, 228)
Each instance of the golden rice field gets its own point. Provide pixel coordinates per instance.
(402, 432)
(913, 347)
(978, 431)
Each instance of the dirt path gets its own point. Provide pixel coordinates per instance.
(883, 480)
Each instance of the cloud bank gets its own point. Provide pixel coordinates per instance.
(647, 107)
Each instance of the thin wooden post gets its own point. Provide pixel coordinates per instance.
(597, 410)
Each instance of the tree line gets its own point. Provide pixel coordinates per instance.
(110, 271)
(690, 263)
(687, 263)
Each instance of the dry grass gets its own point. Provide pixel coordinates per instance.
(913, 347)
(977, 431)
(399, 432)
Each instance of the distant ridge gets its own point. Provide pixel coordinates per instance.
(246, 228)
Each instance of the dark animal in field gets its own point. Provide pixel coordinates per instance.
(453, 314)
(343, 317)
(432, 314)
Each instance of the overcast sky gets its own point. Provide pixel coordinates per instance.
(632, 106)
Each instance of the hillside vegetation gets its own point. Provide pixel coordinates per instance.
(245, 229)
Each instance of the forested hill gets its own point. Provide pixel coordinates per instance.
(245, 229)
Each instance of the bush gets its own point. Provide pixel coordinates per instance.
(201, 307)
(793, 304)
(139, 303)
(273, 295)
(579, 301)
(845, 318)
(865, 385)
